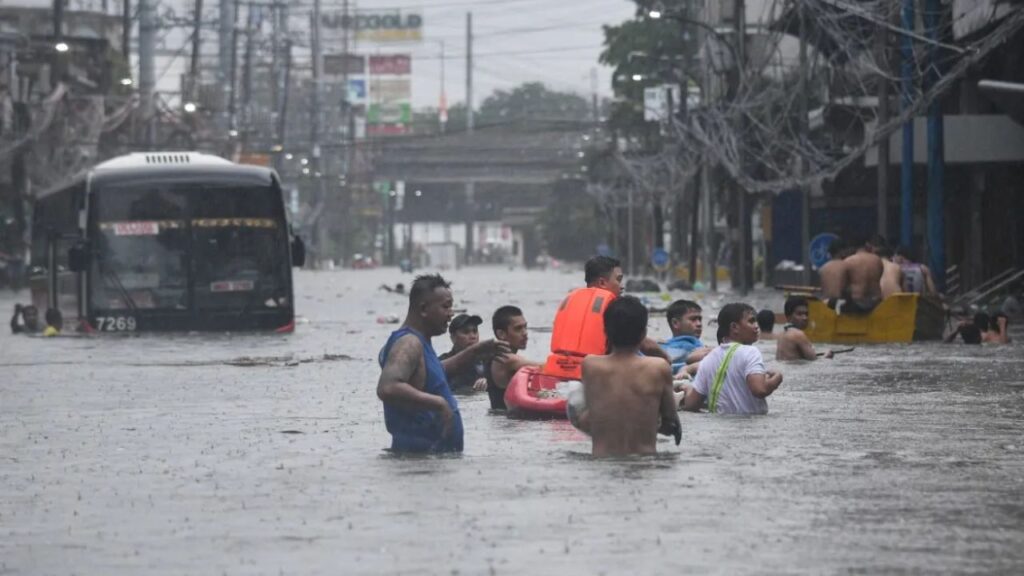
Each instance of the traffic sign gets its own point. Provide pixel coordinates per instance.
(660, 259)
(819, 249)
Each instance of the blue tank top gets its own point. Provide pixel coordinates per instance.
(420, 430)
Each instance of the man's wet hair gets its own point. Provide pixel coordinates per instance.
(907, 252)
(878, 241)
(982, 321)
(599, 267)
(625, 322)
(993, 321)
(859, 241)
(54, 318)
(503, 316)
(766, 320)
(680, 308)
(423, 286)
(732, 313)
(970, 334)
(792, 303)
(836, 247)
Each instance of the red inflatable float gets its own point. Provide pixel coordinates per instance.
(531, 394)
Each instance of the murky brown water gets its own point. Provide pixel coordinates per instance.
(169, 455)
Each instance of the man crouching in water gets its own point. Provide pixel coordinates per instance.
(629, 396)
(420, 410)
(793, 342)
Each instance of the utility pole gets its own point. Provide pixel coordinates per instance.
(350, 127)
(805, 200)
(193, 68)
(469, 72)
(314, 136)
(471, 185)
(442, 112)
(250, 29)
(233, 80)
(936, 154)
(57, 69)
(225, 36)
(147, 68)
(192, 95)
(126, 34)
(282, 81)
(630, 224)
(743, 211)
(282, 117)
(907, 150)
(275, 57)
(882, 55)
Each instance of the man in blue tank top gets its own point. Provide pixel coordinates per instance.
(420, 411)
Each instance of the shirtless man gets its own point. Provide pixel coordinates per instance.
(997, 332)
(833, 273)
(892, 274)
(793, 343)
(629, 396)
(509, 326)
(863, 280)
(420, 412)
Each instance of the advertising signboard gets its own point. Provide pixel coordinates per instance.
(341, 64)
(374, 27)
(391, 65)
(389, 112)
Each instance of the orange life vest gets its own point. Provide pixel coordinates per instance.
(578, 331)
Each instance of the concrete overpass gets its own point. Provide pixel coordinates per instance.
(528, 153)
(520, 162)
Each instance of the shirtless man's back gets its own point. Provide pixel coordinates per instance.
(864, 279)
(832, 274)
(892, 276)
(626, 394)
(629, 397)
(833, 279)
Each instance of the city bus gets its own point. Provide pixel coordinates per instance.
(166, 241)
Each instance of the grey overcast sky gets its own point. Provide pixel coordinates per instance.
(556, 42)
(552, 41)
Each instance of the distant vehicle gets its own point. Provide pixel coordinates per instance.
(166, 241)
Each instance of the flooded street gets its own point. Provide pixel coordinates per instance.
(242, 454)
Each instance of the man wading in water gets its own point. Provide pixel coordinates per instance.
(629, 396)
(420, 411)
(733, 377)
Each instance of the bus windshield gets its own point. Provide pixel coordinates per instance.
(190, 247)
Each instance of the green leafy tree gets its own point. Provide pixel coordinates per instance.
(529, 101)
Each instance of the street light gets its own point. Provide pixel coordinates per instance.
(190, 107)
(126, 82)
(638, 77)
(655, 14)
(62, 47)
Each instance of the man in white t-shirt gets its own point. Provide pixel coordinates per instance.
(732, 378)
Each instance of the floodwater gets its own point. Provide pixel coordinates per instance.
(242, 454)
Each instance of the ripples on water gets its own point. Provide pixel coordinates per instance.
(264, 454)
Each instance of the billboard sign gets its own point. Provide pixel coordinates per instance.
(391, 65)
(390, 113)
(380, 27)
(356, 90)
(342, 64)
